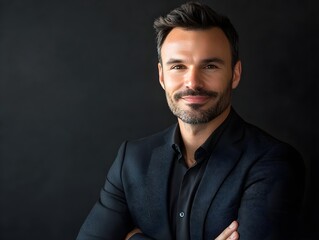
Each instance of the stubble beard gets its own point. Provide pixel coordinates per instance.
(195, 115)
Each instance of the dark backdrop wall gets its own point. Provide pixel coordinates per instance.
(79, 77)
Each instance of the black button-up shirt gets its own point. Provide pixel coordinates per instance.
(184, 181)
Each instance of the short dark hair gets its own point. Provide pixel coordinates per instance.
(195, 15)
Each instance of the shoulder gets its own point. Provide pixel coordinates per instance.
(253, 137)
(257, 138)
(269, 156)
(258, 145)
(135, 156)
(143, 147)
(154, 140)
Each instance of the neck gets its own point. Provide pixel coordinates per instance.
(194, 135)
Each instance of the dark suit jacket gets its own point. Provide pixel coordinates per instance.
(250, 176)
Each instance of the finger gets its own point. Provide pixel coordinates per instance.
(131, 233)
(230, 231)
(233, 236)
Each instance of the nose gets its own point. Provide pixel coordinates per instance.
(193, 79)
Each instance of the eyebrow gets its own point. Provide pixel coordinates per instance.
(213, 60)
(173, 61)
(204, 61)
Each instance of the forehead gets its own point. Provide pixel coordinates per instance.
(210, 42)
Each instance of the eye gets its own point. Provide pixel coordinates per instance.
(178, 67)
(211, 66)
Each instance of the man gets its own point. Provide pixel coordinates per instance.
(211, 169)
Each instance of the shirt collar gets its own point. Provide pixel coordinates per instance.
(207, 147)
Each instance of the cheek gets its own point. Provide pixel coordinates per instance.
(172, 82)
(218, 84)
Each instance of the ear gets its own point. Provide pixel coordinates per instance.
(236, 74)
(160, 75)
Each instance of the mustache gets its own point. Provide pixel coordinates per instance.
(197, 92)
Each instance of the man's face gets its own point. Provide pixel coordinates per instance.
(196, 73)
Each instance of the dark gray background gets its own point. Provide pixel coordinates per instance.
(80, 77)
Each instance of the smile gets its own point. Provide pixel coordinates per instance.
(198, 99)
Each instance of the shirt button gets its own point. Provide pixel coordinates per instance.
(181, 214)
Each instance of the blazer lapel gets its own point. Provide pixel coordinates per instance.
(157, 190)
(224, 158)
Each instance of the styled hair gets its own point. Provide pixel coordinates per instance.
(195, 16)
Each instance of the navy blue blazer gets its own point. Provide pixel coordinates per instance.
(250, 176)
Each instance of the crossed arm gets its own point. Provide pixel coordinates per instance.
(230, 233)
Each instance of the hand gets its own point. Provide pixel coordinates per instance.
(131, 233)
(230, 233)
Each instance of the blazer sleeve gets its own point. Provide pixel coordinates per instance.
(273, 194)
(110, 217)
